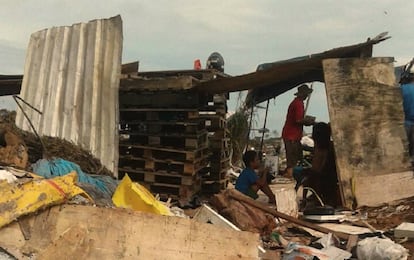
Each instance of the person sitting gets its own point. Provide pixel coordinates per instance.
(249, 182)
(322, 176)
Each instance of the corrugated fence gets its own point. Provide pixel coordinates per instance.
(72, 75)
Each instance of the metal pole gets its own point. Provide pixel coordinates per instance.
(264, 125)
(250, 127)
(30, 122)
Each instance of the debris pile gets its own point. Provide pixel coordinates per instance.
(18, 144)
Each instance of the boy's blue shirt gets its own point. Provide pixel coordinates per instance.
(247, 178)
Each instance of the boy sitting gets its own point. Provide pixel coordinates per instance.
(249, 182)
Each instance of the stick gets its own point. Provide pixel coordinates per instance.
(44, 152)
(276, 213)
(307, 101)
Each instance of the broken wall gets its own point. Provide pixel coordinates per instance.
(365, 109)
(72, 76)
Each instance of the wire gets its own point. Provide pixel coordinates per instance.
(16, 98)
(316, 194)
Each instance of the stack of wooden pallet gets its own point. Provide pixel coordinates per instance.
(163, 141)
(215, 175)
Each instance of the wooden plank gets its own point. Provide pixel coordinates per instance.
(179, 192)
(365, 109)
(102, 233)
(205, 74)
(192, 127)
(156, 84)
(210, 175)
(209, 187)
(214, 122)
(142, 114)
(352, 242)
(160, 99)
(168, 166)
(240, 197)
(191, 154)
(152, 153)
(174, 141)
(129, 68)
(387, 188)
(158, 177)
(282, 76)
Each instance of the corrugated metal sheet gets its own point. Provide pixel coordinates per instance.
(72, 75)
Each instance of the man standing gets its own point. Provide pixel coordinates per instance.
(407, 89)
(293, 129)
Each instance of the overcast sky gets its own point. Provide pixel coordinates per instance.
(166, 34)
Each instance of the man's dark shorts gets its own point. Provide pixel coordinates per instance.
(294, 152)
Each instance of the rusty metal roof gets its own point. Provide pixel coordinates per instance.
(72, 75)
(273, 79)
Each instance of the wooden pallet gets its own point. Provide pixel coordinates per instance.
(179, 192)
(219, 134)
(219, 154)
(172, 141)
(223, 143)
(209, 187)
(160, 127)
(214, 122)
(157, 84)
(160, 99)
(158, 177)
(219, 166)
(215, 176)
(214, 110)
(167, 166)
(157, 114)
(162, 153)
(216, 99)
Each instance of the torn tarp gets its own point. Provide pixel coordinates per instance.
(59, 167)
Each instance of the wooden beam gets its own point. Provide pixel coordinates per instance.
(131, 67)
(265, 208)
(278, 77)
(155, 84)
(10, 86)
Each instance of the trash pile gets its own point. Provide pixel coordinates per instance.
(345, 235)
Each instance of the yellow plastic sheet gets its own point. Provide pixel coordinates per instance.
(135, 196)
(21, 199)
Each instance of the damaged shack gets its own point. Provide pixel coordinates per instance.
(163, 135)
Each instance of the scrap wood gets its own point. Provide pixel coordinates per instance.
(85, 232)
(275, 213)
(352, 242)
(244, 216)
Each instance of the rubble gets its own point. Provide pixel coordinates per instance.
(54, 147)
(175, 141)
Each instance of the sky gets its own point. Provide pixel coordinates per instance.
(170, 35)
